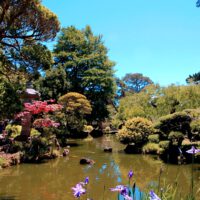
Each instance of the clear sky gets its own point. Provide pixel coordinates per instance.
(158, 38)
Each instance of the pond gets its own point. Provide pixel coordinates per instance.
(53, 180)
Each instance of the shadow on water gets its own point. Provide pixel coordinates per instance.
(7, 197)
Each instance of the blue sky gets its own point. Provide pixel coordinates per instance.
(158, 38)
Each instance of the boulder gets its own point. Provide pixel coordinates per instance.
(84, 161)
(65, 152)
(108, 149)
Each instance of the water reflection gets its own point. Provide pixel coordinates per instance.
(53, 180)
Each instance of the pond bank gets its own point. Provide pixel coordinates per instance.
(7, 160)
(53, 180)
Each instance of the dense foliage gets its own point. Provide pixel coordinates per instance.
(24, 25)
(9, 99)
(135, 130)
(25, 21)
(84, 58)
(54, 84)
(75, 108)
(155, 101)
(179, 121)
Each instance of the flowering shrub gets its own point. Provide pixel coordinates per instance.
(39, 123)
(37, 107)
(40, 108)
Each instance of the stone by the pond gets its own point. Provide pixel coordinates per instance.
(108, 149)
(10, 159)
(65, 152)
(84, 161)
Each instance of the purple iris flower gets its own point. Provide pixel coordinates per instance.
(123, 190)
(193, 150)
(153, 196)
(118, 188)
(130, 174)
(78, 190)
(86, 180)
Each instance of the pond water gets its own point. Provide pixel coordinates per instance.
(53, 180)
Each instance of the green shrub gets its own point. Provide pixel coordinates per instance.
(187, 143)
(153, 138)
(107, 129)
(136, 130)
(152, 148)
(35, 132)
(179, 121)
(164, 144)
(193, 113)
(175, 135)
(195, 126)
(13, 130)
(88, 128)
(2, 161)
(37, 147)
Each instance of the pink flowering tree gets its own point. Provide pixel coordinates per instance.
(37, 114)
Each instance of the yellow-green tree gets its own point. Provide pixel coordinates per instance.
(76, 107)
(154, 101)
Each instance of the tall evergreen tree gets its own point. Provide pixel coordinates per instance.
(87, 66)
